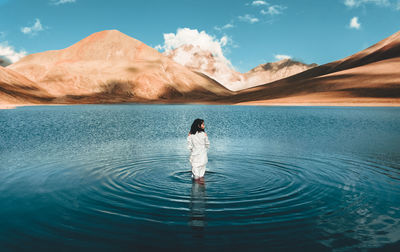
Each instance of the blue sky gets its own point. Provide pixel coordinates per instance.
(248, 32)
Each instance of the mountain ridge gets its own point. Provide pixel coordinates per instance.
(109, 61)
(370, 76)
(221, 70)
(111, 67)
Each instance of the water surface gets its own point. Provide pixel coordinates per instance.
(102, 177)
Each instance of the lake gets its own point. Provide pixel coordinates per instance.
(117, 177)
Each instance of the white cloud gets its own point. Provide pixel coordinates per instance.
(224, 41)
(187, 36)
(354, 23)
(249, 19)
(381, 3)
(198, 43)
(227, 26)
(58, 2)
(358, 3)
(9, 55)
(33, 30)
(258, 3)
(282, 56)
(274, 10)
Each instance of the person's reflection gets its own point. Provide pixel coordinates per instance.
(198, 207)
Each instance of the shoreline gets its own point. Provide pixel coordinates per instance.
(310, 104)
(251, 103)
(14, 106)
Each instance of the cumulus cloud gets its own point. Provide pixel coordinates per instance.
(187, 36)
(258, 3)
(282, 56)
(358, 3)
(249, 19)
(398, 6)
(58, 2)
(354, 23)
(274, 10)
(9, 55)
(225, 27)
(34, 29)
(189, 47)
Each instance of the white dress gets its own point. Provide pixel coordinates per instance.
(198, 145)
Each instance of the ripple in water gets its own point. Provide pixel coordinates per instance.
(263, 194)
(116, 195)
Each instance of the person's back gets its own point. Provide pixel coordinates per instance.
(199, 142)
(198, 145)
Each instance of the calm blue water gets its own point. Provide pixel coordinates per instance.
(102, 177)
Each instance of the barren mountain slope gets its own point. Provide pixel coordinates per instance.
(371, 76)
(110, 64)
(17, 89)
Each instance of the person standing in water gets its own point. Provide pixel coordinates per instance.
(198, 145)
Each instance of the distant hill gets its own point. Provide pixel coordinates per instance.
(220, 69)
(270, 72)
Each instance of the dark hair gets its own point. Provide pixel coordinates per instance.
(196, 126)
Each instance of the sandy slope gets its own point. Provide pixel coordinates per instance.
(371, 76)
(110, 66)
(17, 89)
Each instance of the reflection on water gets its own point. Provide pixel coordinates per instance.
(102, 178)
(198, 207)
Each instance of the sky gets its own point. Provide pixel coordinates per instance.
(244, 32)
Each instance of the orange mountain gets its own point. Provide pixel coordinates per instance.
(369, 77)
(110, 66)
